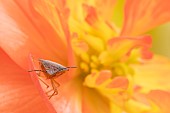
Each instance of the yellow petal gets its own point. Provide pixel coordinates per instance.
(153, 74)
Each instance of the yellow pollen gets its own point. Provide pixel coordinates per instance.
(84, 67)
(85, 57)
(93, 65)
(119, 71)
(94, 59)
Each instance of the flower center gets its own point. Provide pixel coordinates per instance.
(93, 56)
(103, 58)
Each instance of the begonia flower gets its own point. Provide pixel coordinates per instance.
(106, 40)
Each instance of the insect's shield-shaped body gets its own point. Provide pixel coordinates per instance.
(52, 68)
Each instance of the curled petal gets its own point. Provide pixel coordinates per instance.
(105, 83)
(18, 93)
(141, 16)
(61, 102)
(121, 48)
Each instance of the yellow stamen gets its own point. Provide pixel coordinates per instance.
(85, 57)
(84, 67)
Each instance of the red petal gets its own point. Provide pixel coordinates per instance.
(25, 31)
(143, 15)
(162, 99)
(18, 94)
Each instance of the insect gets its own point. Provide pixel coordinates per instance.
(51, 71)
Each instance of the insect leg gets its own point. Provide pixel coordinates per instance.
(49, 91)
(54, 88)
(56, 83)
(39, 71)
(43, 82)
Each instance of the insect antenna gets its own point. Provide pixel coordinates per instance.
(67, 68)
(72, 67)
(36, 70)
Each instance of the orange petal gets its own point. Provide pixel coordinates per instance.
(91, 17)
(69, 99)
(128, 44)
(103, 76)
(105, 8)
(93, 102)
(143, 15)
(119, 82)
(25, 31)
(63, 102)
(160, 98)
(18, 94)
(122, 48)
(153, 74)
(111, 11)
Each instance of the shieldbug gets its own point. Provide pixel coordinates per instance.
(51, 71)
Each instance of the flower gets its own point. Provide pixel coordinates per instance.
(116, 71)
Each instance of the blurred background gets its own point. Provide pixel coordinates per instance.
(161, 39)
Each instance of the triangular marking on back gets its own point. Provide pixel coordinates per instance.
(52, 67)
